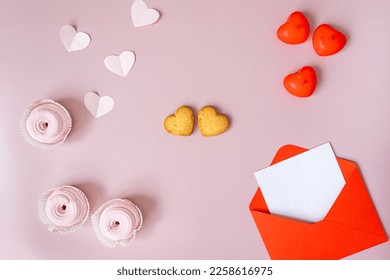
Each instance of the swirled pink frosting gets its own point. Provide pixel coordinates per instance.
(116, 222)
(64, 209)
(48, 123)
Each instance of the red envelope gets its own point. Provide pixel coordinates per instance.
(351, 225)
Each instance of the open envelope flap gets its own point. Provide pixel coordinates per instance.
(350, 226)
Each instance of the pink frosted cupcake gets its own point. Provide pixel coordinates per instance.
(64, 209)
(46, 124)
(116, 222)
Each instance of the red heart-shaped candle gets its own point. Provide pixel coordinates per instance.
(327, 40)
(302, 83)
(295, 30)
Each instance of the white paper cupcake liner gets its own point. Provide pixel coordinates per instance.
(64, 229)
(96, 219)
(23, 124)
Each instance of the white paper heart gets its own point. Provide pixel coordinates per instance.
(73, 40)
(142, 15)
(98, 105)
(122, 64)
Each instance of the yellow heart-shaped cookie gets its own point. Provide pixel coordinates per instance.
(181, 123)
(211, 123)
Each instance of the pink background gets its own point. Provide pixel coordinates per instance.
(194, 191)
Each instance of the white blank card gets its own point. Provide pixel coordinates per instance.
(303, 187)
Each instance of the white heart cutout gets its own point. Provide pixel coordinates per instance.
(142, 15)
(120, 64)
(73, 40)
(98, 105)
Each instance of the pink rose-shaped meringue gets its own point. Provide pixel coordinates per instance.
(46, 123)
(64, 209)
(116, 222)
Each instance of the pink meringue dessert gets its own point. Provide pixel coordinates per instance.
(64, 209)
(116, 222)
(46, 124)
